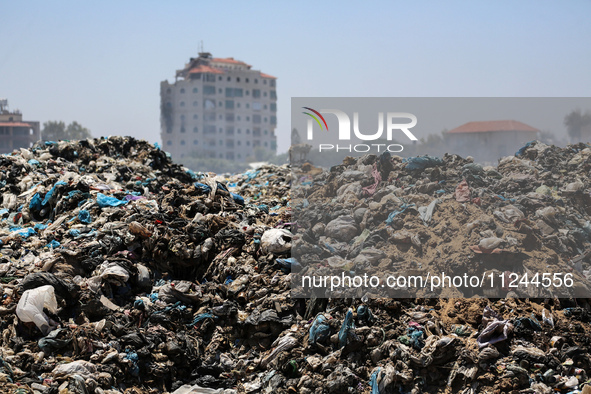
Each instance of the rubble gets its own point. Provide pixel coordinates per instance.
(122, 272)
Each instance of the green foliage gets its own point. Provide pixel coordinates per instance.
(575, 122)
(55, 131)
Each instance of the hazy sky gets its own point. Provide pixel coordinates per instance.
(102, 64)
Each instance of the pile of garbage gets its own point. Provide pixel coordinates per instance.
(388, 215)
(122, 272)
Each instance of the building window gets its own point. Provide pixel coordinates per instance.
(265, 120)
(265, 106)
(169, 104)
(195, 129)
(210, 77)
(220, 90)
(256, 132)
(210, 116)
(229, 117)
(183, 90)
(247, 143)
(212, 143)
(209, 129)
(219, 78)
(265, 94)
(195, 142)
(239, 131)
(194, 103)
(195, 90)
(238, 118)
(229, 130)
(182, 129)
(256, 106)
(209, 104)
(182, 142)
(237, 79)
(239, 156)
(229, 104)
(247, 92)
(266, 144)
(272, 83)
(182, 118)
(169, 142)
(273, 94)
(247, 106)
(221, 130)
(229, 79)
(247, 131)
(221, 142)
(168, 90)
(248, 118)
(264, 81)
(256, 80)
(182, 103)
(221, 103)
(195, 116)
(273, 107)
(256, 118)
(208, 89)
(266, 132)
(238, 142)
(273, 120)
(256, 93)
(247, 80)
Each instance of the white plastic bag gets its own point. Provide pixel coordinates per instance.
(276, 240)
(30, 307)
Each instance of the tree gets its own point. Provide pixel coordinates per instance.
(575, 122)
(54, 131)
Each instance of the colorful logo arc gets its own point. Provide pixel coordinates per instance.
(315, 118)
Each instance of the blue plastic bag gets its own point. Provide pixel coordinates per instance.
(320, 330)
(422, 162)
(84, 216)
(237, 199)
(51, 191)
(345, 328)
(108, 201)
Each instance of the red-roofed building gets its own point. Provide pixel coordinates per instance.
(16, 133)
(488, 141)
(219, 108)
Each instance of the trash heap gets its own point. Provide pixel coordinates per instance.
(388, 215)
(122, 272)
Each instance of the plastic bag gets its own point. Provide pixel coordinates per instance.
(108, 201)
(276, 240)
(343, 229)
(30, 307)
(80, 367)
(320, 329)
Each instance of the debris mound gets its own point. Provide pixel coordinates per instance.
(123, 272)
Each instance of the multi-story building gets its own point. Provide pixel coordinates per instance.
(219, 108)
(15, 132)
